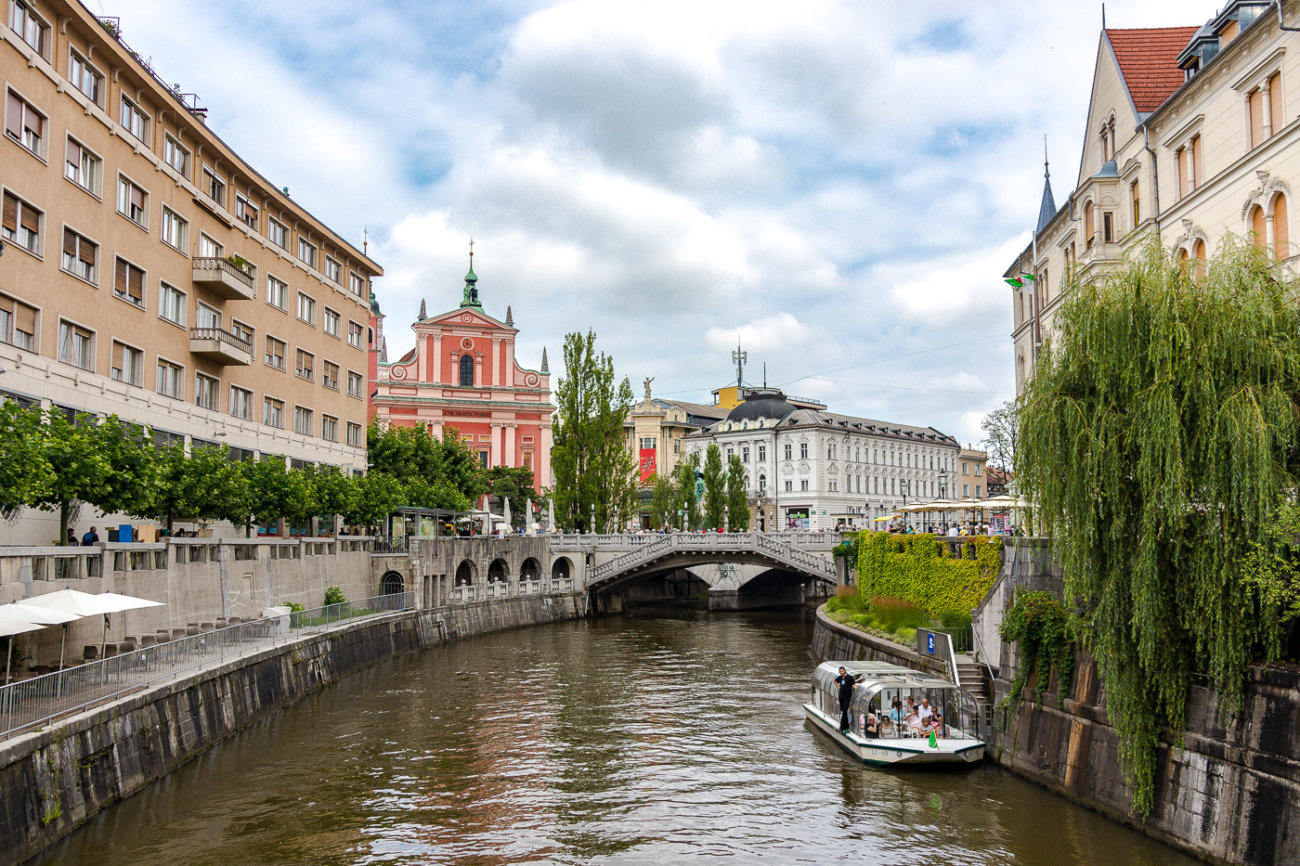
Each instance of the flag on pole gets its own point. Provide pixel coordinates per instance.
(1029, 277)
(934, 741)
(1014, 282)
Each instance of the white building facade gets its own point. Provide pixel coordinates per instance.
(811, 469)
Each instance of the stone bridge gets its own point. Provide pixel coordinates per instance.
(736, 570)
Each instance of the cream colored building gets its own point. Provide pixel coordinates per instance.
(1192, 133)
(149, 271)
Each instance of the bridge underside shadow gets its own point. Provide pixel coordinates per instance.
(767, 588)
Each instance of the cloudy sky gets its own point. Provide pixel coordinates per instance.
(837, 185)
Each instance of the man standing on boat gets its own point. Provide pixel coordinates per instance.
(847, 683)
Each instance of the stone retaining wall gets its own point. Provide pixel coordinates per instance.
(54, 780)
(835, 642)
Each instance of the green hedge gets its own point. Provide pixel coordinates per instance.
(919, 568)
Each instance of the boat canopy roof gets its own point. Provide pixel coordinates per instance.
(872, 674)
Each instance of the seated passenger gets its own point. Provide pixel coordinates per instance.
(896, 716)
(925, 711)
(870, 726)
(914, 725)
(937, 725)
(887, 728)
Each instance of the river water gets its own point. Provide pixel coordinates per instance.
(652, 738)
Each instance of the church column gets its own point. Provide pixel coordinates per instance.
(543, 468)
(509, 362)
(509, 456)
(496, 360)
(494, 457)
(478, 370)
(435, 371)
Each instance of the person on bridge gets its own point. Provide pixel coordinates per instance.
(847, 683)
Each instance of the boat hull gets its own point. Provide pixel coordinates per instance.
(901, 752)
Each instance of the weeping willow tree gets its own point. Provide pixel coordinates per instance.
(1158, 439)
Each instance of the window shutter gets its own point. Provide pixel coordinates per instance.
(137, 197)
(25, 318)
(119, 278)
(31, 219)
(69, 242)
(11, 213)
(14, 116)
(6, 305)
(1275, 102)
(1256, 118)
(74, 153)
(136, 288)
(87, 252)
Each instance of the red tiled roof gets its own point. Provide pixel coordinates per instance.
(1148, 61)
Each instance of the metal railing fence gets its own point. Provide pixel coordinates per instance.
(33, 702)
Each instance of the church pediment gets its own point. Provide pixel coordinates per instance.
(466, 317)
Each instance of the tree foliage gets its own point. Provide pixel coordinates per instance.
(715, 487)
(686, 483)
(202, 485)
(437, 473)
(25, 473)
(1157, 439)
(594, 469)
(737, 496)
(1000, 432)
(663, 502)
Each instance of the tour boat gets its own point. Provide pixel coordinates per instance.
(898, 744)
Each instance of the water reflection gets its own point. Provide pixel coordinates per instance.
(639, 739)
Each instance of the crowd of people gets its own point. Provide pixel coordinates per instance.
(904, 718)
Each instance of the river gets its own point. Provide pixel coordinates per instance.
(651, 738)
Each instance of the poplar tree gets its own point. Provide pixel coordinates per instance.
(688, 499)
(737, 496)
(715, 487)
(594, 469)
(1158, 443)
(663, 502)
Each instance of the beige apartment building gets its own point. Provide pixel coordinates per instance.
(970, 482)
(1192, 133)
(148, 271)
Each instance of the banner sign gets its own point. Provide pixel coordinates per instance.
(647, 463)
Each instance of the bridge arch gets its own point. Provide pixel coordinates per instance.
(497, 571)
(391, 583)
(466, 572)
(561, 568)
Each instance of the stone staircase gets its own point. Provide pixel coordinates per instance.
(972, 675)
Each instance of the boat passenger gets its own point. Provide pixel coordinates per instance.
(847, 683)
(937, 725)
(914, 725)
(887, 728)
(896, 716)
(870, 726)
(925, 711)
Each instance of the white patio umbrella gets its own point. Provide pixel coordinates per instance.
(40, 616)
(505, 512)
(528, 516)
(9, 628)
(89, 604)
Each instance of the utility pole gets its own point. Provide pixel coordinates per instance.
(739, 357)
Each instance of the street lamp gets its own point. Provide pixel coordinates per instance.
(726, 519)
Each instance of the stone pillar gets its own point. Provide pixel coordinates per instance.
(1269, 237)
(508, 459)
(478, 370)
(494, 456)
(508, 361)
(435, 370)
(496, 361)
(1266, 108)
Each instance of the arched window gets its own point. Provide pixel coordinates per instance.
(1198, 253)
(1260, 238)
(762, 483)
(466, 371)
(1089, 228)
(1281, 229)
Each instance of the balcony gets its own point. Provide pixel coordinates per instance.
(221, 346)
(227, 280)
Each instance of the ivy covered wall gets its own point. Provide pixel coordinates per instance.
(921, 569)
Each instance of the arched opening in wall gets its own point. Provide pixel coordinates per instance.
(391, 584)
(465, 573)
(1258, 234)
(497, 571)
(1089, 224)
(1198, 253)
(1281, 228)
(466, 371)
(561, 569)
(530, 570)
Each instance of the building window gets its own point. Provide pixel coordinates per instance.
(273, 412)
(241, 403)
(206, 317)
(246, 211)
(355, 386)
(306, 253)
(965, 490)
(305, 365)
(241, 330)
(302, 421)
(803, 450)
(277, 293)
(175, 231)
(25, 125)
(803, 484)
(135, 120)
(275, 350)
(357, 284)
(1135, 198)
(306, 309)
(82, 167)
(17, 324)
(132, 201)
(788, 485)
(354, 334)
(762, 484)
(171, 378)
(333, 271)
(21, 224)
(354, 435)
(177, 156)
(329, 428)
(330, 375)
(128, 282)
(214, 185)
(466, 371)
(277, 233)
(30, 27)
(787, 451)
(80, 256)
(744, 454)
(762, 453)
(1107, 227)
(333, 323)
(128, 364)
(205, 392)
(171, 304)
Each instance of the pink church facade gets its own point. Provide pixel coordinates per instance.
(463, 373)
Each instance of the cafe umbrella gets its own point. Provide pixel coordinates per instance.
(10, 627)
(90, 604)
(41, 616)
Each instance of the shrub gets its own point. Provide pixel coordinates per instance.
(897, 613)
(334, 595)
(955, 619)
(921, 569)
(294, 607)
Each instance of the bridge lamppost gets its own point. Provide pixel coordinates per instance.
(943, 492)
(591, 527)
(726, 519)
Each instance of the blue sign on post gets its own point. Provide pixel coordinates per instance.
(929, 643)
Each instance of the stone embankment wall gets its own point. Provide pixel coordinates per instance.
(835, 642)
(54, 780)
